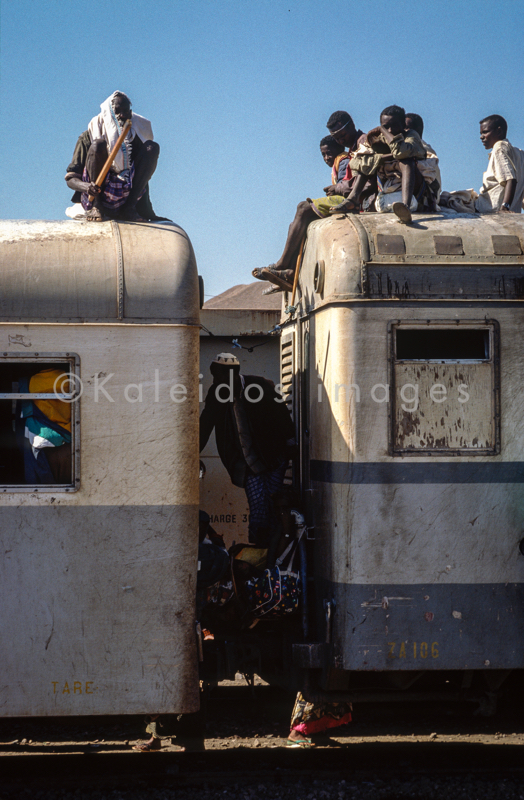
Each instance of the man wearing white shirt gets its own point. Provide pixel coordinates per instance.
(503, 184)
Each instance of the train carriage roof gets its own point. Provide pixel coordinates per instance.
(443, 255)
(110, 271)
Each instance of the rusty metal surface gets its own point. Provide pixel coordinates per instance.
(390, 244)
(506, 245)
(436, 281)
(448, 245)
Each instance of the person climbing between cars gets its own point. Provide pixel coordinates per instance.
(255, 438)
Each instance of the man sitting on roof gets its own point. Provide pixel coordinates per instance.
(124, 192)
(282, 271)
(503, 183)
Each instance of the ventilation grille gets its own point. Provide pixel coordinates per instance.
(287, 385)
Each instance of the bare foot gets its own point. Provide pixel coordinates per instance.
(95, 215)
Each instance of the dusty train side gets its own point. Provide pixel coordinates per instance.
(98, 571)
(403, 366)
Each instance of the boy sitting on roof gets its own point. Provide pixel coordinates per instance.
(335, 157)
(391, 153)
(281, 272)
(428, 167)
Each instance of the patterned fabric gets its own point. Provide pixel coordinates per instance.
(340, 170)
(273, 594)
(115, 192)
(259, 489)
(309, 718)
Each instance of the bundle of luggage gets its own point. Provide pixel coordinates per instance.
(247, 583)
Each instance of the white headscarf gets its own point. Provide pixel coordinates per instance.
(106, 126)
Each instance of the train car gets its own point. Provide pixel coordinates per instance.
(99, 546)
(402, 363)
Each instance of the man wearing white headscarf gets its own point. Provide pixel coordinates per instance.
(124, 193)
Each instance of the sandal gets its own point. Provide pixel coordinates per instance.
(273, 289)
(403, 213)
(304, 743)
(148, 747)
(257, 272)
(347, 207)
(280, 277)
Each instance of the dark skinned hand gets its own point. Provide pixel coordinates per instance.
(374, 134)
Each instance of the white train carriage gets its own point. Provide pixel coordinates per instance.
(99, 559)
(404, 366)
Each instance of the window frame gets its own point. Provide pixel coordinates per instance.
(73, 360)
(493, 328)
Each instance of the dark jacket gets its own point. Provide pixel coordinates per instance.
(270, 425)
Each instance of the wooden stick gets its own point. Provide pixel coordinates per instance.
(111, 157)
(297, 270)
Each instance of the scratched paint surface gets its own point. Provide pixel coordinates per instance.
(446, 417)
(387, 537)
(421, 627)
(97, 585)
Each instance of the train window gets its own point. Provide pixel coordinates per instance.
(458, 344)
(38, 422)
(445, 388)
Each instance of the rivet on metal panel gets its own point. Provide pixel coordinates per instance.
(506, 245)
(448, 245)
(390, 244)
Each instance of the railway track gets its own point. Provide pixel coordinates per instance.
(243, 746)
(360, 763)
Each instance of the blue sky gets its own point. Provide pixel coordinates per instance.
(239, 94)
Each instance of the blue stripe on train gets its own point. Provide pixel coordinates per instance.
(374, 472)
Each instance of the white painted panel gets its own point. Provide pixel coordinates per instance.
(97, 586)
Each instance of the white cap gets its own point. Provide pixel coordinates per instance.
(227, 359)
